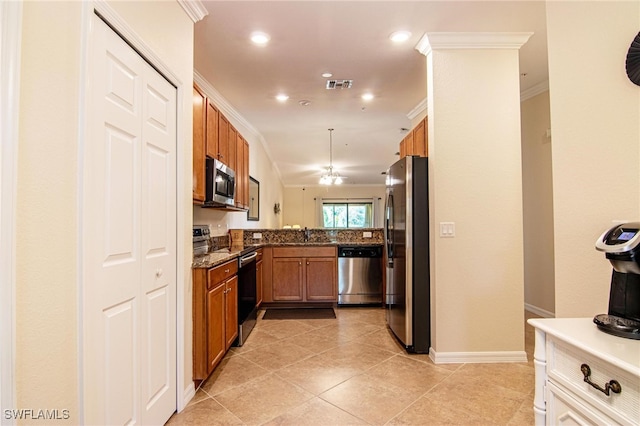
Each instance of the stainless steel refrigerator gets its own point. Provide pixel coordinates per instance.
(407, 243)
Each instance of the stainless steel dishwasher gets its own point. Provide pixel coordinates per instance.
(359, 275)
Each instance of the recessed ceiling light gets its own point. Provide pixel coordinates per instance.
(400, 36)
(367, 96)
(327, 75)
(282, 97)
(260, 38)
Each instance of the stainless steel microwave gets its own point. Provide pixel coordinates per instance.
(220, 184)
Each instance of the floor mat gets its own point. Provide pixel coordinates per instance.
(299, 313)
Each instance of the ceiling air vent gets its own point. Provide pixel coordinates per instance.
(339, 84)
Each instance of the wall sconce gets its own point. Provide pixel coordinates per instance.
(276, 208)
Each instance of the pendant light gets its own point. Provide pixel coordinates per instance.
(330, 177)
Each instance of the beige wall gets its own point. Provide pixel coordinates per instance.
(537, 189)
(47, 341)
(475, 182)
(47, 224)
(596, 141)
(300, 203)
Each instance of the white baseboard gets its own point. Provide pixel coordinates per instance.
(477, 357)
(539, 311)
(189, 392)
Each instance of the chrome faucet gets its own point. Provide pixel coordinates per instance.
(307, 234)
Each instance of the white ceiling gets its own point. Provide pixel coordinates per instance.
(350, 40)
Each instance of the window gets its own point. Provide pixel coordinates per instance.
(347, 215)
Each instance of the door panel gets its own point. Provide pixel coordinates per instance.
(129, 242)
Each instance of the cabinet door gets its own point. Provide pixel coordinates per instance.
(287, 279)
(231, 149)
(403, 149)
(321, 279)
(223, 138)
(199, 123)
(420, 139)
(215, 326)
(239, 171)
(231, 311)
(245, 168)
(259, 283)
(212, 130)
(408, 144)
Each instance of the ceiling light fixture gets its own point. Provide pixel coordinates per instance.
(400, 36)
(327, 75)
(304, 102)
(330, 177)
(367, 96)
(282, 97)
(260, 38)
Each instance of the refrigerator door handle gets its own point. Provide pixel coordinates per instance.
(389, 229)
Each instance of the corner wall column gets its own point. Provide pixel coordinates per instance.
(475, 181)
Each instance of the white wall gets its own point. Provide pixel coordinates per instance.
(300, 203)
(595, 112)
(47, 362)
(537, 190)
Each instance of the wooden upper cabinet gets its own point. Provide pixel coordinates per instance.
(199, 126)
(223, 139)
(415, 142)
(212, 130)
(240, 172)
(420, 139)
(245, 168)
(233, 136)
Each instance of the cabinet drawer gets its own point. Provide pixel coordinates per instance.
(563, 368)
(221, 273)
(298, 251)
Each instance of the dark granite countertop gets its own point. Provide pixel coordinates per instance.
(221, 256)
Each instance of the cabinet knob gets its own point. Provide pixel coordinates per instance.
(307, 263)
(226, 271)
(300, 263)
(158, 273)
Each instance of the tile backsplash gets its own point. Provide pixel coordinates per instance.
(320, 235)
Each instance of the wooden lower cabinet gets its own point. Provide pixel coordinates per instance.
(215, 316)
(311, 277)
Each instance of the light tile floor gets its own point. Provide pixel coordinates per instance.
(351, 371)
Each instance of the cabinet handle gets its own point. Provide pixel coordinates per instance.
(612, 385)
(299, 263)
(226, 271)
(307, 263)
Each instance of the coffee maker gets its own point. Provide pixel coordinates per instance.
(621, 245)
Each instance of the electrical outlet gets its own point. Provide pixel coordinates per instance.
(367, 234)
(257, 235)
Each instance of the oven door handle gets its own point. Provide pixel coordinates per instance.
(248, 258)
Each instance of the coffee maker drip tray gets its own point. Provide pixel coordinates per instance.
(618, 326)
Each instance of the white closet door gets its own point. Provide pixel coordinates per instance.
(129, 238)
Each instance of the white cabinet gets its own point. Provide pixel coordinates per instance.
(569, 351)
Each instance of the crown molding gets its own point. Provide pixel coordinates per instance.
(454, 40)
(230, 112)
(535, 90)
(194, 8)
(418, 109)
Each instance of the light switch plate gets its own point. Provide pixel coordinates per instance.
(447, 229)
(257, 235)
(367, 234)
